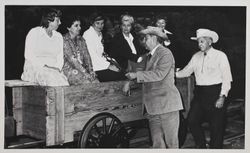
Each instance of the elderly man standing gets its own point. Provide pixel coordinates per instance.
(213, 82)
(161, 98)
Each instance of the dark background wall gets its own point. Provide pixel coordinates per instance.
(183, 21)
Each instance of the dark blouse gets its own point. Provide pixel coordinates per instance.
(121, 51)
(77, 62)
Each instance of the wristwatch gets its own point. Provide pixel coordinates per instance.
(222, 96)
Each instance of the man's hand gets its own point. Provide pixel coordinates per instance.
(220, 102)
(131, 75)
(126, 88)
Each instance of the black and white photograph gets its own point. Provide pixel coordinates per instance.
(124, 76)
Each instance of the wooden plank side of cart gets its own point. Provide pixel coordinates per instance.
(54, 114)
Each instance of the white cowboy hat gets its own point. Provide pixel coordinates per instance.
(206, 33)
(155, 31)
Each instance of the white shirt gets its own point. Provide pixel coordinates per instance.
(96, 49)
(40, 49)
(153, 50)
(130, 39)
(212, 68)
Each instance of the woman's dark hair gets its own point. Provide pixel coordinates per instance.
(70, 19)
(159, 17)
(49, 15)
(96, 16)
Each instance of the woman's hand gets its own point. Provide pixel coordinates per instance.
(131, 75)
(113, 68)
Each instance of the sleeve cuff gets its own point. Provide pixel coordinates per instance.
(223, 93)
(138, 78)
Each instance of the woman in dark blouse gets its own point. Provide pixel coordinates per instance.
(77, 62)
(125, 46)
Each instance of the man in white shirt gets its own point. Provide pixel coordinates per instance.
(213, 82)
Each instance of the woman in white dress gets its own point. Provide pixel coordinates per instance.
(44, 52)
(103, 68)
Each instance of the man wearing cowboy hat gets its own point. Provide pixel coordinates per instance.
(161, 99)
(213, 82)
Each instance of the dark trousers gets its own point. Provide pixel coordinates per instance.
(203, 109)
(109, 75)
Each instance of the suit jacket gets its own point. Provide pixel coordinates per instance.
(160, 94)
(120, 50)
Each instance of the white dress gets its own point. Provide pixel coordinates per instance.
(96, 49)
(41, 50)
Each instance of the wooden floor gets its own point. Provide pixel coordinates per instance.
(234, 136)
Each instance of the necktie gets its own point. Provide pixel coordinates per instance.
(203, 61)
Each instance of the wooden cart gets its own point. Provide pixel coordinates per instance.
(96, 112)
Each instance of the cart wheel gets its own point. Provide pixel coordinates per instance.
(104, 130)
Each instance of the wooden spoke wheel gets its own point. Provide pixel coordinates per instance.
(104, 130)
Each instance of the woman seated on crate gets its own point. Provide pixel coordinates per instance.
(105, 68)
(44, 52)
(77, 62)
(125, 46)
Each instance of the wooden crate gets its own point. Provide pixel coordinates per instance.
(54, 114)
(186, 87)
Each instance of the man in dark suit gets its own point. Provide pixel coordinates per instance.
(124, 46)
(161, 99)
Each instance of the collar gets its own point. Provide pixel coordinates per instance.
(209, 52)
(130, 36)
(68, 37)
(167, 32)
(153, 50)
(43, 31)
(99, 34)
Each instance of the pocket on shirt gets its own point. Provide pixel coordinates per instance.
(212, 67)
